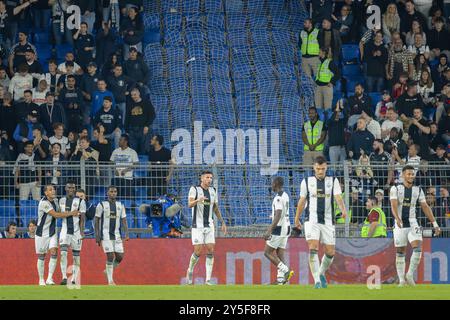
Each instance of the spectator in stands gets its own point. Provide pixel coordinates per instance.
(392, 121)
(420, 65)
(425, 87)
(26, 106)
(120, 85)
(17, 54)
(111, 12)
(136, 68)
(132, 30)
(4, 78)
(344, 23)
(98, 96)
(440, 157)
(59, 18)
(400, 86)
(327, 76)
(39, 93)
(412, 159)
(7, 153)
(85, 153)
(438, 72)
(106, 39)
(395, 141)
(407, 102)
(58, 137)
(89, 81)
(399, 60)
(24, 130)
(52, 76)
(372, 125)
(439, 38)
(410, 16)
(367, 38)
(101, 144)
(390, 22)
(70, 57)
(310, 48)
(321, 10)
(88, 9)
(8, 117)
(138, 121)
(434, 137)
(70, 71)
(125, 160)
(419, 47)
(34, 66)
(31, 230)
(51, 112)
(330, 38)
(411, 40)
(376, 57)
(21, 82)
(41, 146)
(356, 207)
(5, 26)
(360, 141)
(71, 98)
(27, 174)
(54, 170)
(336, 134)
(84, 45)
(160, 174)
(382, 107)
(419, 132)
(314, 133)
(10, 231)
(358, 103)
(111, 119)
(380, 161)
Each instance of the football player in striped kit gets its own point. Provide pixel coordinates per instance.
(72, 231)
(278, 233)
(46, 239)
(405, 201)
(110, 216)
(318, 193)
(203, 200)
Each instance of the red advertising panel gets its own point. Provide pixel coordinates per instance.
(237, 261)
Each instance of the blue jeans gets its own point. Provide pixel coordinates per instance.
(138, 141)
(90, 20)
(337, 154)
(41, 18)
(374, 84)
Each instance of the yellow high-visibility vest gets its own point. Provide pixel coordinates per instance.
(380, 230)
(313, 134)
(324, 74)
(310, 44)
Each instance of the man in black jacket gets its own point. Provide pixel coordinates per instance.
(138, 121)
(438, 39)
(407, 102)
(51, 112)
(132, 29)
(360, 141)
(111, 119)
(336, 134)
(71, 98)
(358, 103)
(330, 38)
(120, 85)
(410, 15)
(26, 106)
(136, 68)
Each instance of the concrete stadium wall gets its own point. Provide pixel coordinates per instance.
(237, 261)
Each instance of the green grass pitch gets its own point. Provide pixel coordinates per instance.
(224, 292)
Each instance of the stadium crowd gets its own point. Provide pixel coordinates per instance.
(402, 63)
(94, 105)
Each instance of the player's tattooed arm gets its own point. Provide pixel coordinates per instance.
(300, 207)
(427, 210)
(341, 204)
(276, 219)
(219, 216)
(125, 229)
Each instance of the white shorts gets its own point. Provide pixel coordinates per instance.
(112, 246)
(404, 235)
(43, 244)
(73, 241)
(203, 236)
(318, 231)
(276, 242)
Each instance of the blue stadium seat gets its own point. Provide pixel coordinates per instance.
(350, 53)
(151, 36)
(376, 97)
(7, 212)
(351, 70)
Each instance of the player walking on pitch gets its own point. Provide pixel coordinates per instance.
(405, 199)
(203, 200)
(108, 217)
(46, 239)
(72, 231)
(278, 233)
(318, 193)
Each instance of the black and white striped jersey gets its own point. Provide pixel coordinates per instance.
(46, 226)
(71, 225)
(319, 195)
(110, 214)
(202, 213)
(408, 203)
(281, 202)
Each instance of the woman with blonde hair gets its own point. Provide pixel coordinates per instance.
(391, 22)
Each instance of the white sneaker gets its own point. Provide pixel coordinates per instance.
(50, 282)
(111, 284)
(188, 277)
(209, 283)
(410, 280)
(401, 284)
(42, 283)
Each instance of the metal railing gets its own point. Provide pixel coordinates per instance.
(244, 196)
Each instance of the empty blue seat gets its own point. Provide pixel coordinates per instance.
(350, 53)
(351, 70)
